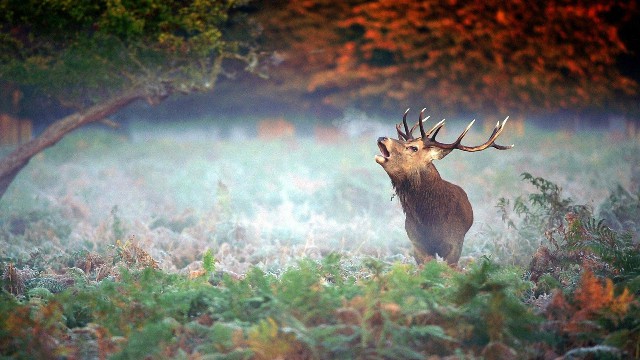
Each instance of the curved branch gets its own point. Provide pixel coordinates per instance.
(11, 164)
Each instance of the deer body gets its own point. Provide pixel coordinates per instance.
(438, 213)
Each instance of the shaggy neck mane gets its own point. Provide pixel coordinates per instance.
(420, 191)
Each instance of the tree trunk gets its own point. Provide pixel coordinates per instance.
(11, 164)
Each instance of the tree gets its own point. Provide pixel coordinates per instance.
(481, 56)
(99, 56)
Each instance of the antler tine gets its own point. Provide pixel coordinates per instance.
(404, 121)
(407, 135)
(466, 130)
(401, 135)
(501, 147)
(455, 144)
(422, 132)
(435, 129)
(418, 124)
(489, 143)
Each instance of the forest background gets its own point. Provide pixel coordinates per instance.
(320, 58)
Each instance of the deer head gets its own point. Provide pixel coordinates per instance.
(438, 213)
(408, 155)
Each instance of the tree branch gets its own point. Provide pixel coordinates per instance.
(11, 165)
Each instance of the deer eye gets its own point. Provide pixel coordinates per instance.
(413, 148)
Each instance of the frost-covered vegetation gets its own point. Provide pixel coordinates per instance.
(190, 244)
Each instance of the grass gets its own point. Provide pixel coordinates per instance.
(284, 199)
(183, 246)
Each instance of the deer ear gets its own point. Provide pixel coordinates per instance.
(435, 153)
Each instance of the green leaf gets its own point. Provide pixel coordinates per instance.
(208, 261)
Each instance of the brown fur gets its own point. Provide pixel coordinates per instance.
(438, 213)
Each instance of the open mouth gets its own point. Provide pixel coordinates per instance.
(384, 153)
(383, 149)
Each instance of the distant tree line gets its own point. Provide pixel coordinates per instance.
(375, 55)
(456, 56)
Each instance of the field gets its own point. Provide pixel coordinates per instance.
(220, 244)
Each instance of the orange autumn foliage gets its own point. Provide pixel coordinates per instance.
(593, 296)
(478, 56)
(593, 299)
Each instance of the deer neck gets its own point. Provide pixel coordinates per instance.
(420, 191)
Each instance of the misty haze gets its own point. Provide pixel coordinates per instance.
(233, 180)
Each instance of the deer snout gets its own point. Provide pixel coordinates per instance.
(384, 152)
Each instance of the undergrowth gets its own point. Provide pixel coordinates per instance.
(314, 310)
(586, 275)
(330, 309)
(575, 239)
(576, 297)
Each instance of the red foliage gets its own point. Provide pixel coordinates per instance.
(592, 301)
(480, 55)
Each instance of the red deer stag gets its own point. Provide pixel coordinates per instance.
(438, 213)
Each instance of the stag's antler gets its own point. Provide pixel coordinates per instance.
(489, 143)
(429, 137)
(497, 130)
